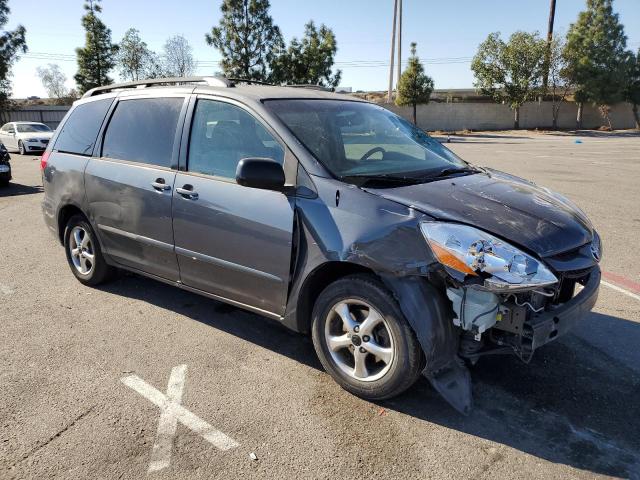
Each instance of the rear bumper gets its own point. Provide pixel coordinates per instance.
(5, 173)
(546, 326)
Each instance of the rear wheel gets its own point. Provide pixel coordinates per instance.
(21, 148)
(83, 252)
(363, 340)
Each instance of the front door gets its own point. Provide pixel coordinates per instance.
(129, 188)
(232, 241)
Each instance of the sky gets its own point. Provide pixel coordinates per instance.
(447, 33)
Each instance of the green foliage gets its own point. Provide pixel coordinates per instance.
(596, 54)
(247, 39)
(135, 60)
(559, 84)
(12, 43)
(98, 57)
(632, 91)
(510, 72)
(414, 86)
(308, 61)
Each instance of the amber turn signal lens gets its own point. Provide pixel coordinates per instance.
(445, 257)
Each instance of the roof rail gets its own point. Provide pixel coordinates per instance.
(312, 87)
(250, 82)
(211, 81)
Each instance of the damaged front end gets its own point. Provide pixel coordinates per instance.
(505, 300)
(464, 292)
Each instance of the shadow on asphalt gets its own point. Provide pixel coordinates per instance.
(506, 136)
(573, 404)
(478, 142)
(16, 189)
(595, 133)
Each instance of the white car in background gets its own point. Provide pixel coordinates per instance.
(25, 137)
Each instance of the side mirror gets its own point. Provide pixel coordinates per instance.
(262, 173)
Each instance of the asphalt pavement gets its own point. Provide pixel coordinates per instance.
(85, 377)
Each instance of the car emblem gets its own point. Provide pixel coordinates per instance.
(595, 252)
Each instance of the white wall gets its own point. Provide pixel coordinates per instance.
(493, 116)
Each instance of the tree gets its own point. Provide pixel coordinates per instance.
(247, 39)
(12, 44)
(98, 57)
(632, 92)
(53, 80)
(134, 59)
(308, 61)
(510, 72)
(414, 86)
(177, 59)
(559, 84)
(597, 57)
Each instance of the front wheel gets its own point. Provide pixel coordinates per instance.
(363, 340)
(21, 148)
(84, 254)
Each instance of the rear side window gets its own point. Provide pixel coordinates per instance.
(79, 132)
(143, 130)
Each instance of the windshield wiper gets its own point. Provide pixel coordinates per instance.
(452, 171)
(382, 179)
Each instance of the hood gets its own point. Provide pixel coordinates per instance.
(519, 211)
(38, 135)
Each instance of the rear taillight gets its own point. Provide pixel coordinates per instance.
(44, 159)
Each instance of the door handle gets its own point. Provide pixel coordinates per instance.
(160, 185)
(187, 192)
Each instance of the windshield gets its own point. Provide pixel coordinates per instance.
(355, 139)
(32, 127)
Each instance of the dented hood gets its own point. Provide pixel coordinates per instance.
(519, 211)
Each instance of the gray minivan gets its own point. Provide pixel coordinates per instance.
(329, 214)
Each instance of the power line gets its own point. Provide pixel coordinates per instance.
(61, 57)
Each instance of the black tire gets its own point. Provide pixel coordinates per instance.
(406, 366)
(100, 270)
(21, 149)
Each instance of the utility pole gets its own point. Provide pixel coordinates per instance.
(547, 55)
(399, 41)
(393, 48)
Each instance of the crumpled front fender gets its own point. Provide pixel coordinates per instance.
(348, 226)
(426, 310)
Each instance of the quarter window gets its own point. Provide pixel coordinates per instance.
(79, 132)
(143, 130)
(222, 135)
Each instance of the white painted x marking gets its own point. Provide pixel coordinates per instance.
(172, 412)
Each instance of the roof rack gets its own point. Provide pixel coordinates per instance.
(210, 81)
(312, 87)
(250, 82)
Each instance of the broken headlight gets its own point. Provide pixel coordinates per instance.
(474, 252)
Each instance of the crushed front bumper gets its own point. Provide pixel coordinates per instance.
(544, 327)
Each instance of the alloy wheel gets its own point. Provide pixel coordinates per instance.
(81, 250)
(359, 340)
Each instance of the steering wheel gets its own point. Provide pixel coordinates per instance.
(372, 151)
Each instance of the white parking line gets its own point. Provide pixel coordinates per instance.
(172, 412)
(619, 289)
